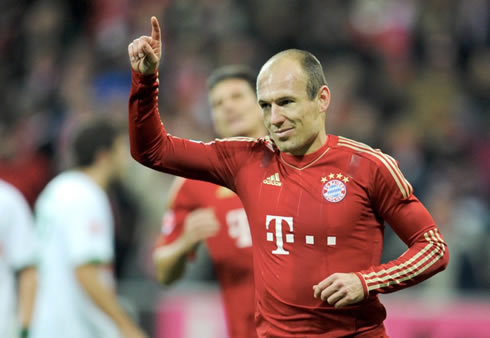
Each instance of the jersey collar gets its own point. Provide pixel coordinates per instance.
(303, 162)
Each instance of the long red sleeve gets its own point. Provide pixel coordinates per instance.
(427, 252)
(427, 255)
(153, 147)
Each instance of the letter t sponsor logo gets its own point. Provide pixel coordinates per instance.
(279, 233)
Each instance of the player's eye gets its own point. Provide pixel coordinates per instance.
(264, 105)
(285, 102)
(216, 104)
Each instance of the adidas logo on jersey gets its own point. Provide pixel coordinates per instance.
(273, 180)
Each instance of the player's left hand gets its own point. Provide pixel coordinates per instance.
(340, 289)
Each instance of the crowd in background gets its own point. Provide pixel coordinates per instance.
(411, 77)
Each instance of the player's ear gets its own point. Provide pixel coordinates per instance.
(323, 98)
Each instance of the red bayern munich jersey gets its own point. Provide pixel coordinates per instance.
(310, 216)
(230, 249)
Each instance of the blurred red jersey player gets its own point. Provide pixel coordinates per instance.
(201, 211)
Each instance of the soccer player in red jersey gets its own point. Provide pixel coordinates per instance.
(201, 211)
(316, 203)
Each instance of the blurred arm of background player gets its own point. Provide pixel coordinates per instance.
(106, 300)
(27, 281)
(18, 248)
(170, 259)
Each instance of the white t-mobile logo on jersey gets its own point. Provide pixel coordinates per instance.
(279, 235)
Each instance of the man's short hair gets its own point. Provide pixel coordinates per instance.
(311, 66)
(232, 72)
(314, 71)
(91, 138)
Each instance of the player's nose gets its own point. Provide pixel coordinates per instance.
(277, 118)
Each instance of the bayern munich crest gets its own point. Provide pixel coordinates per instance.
(334, 189)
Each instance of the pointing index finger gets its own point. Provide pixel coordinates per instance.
(155, 29)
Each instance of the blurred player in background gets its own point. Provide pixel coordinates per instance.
(76, 295)
(201, 211)
(316, 203)
(17, 260)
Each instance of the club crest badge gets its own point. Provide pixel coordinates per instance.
(334, 189)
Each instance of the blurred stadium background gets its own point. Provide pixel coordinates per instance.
(411, 77)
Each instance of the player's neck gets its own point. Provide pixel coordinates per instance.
(311, 146)
(98, 174)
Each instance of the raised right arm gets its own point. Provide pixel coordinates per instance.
(151, 145)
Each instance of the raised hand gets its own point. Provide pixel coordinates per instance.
(146, 51)
(340, 289)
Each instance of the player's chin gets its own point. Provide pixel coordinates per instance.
(233, 131)
(285, 145)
